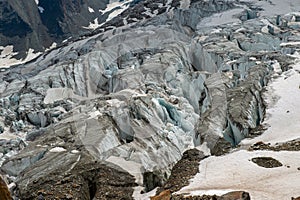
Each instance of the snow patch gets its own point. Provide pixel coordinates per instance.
(93, 25)
(57, 150)
(7, 54)
(75, 151)
(53, 45)
(114, 5)
(116, 8)
(117, 12)
(41, 9)
(203, 147)
(91, 10)
(95, 114)
(284, 44)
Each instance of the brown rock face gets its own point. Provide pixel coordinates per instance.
(4, 192)
(164, 195)
(183, 171)
(236, 195)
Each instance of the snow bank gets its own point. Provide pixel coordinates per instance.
(236, 171)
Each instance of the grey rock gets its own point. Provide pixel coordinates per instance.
(38, 119)
(17, 164)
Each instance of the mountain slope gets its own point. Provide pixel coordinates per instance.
(107, 115)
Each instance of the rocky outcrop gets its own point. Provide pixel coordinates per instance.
(235, 195)
(83, 178)
(21, 26)
(183, 171)
(266, 162)
(37, 24)
(4, 191)
(164, 195)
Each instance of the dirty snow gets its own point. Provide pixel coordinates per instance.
(220, 18)
(57, 94)
(8, 136)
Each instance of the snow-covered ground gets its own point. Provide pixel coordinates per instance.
(7, 56)
(236, 171)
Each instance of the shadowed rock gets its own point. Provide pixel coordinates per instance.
(4, 191)
(236, 195)
(266, 162)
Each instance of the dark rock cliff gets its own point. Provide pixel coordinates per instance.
(26, 24)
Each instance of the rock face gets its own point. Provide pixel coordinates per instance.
(164, 195)
(83, 179)
(183, 171)
(267, 162)
(235, 195)
(37, 24)
(119, 108)
(4, 192)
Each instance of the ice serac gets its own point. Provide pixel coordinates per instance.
(129, 101)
